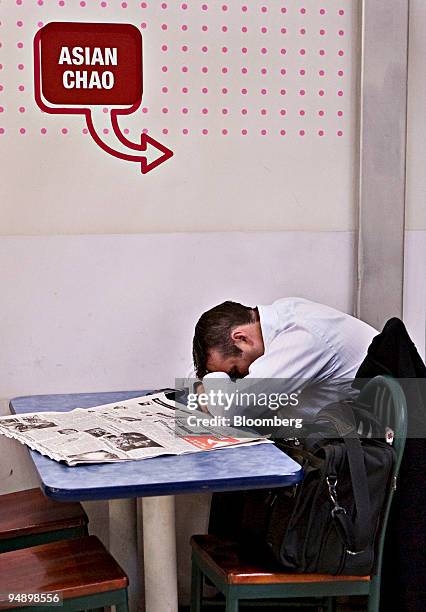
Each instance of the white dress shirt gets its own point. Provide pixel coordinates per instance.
(305, 343)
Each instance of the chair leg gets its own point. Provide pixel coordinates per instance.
(231, 603)
(374, 595)
(196, 587)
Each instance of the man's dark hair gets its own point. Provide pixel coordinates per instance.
(214, 329)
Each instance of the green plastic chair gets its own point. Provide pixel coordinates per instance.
(238, 580)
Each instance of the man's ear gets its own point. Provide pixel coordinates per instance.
(239, 336)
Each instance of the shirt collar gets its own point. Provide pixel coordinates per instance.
(268, 323)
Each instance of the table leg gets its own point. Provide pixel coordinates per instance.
(159, 546)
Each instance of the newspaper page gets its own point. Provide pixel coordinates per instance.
(138, 428)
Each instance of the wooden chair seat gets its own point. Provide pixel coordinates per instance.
(29, 512)
(235, 567)
(75, 568)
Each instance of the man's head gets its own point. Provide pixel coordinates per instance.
(227, 338)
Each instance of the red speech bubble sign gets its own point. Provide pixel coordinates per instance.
(81, 65)
(91, 64)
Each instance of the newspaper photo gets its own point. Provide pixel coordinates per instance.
(137, 428)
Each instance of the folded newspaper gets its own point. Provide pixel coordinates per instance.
(137, 428)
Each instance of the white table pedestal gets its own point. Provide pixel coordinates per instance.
(159, 548)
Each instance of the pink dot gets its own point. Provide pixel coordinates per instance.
(40, 2)
(204, 28)
(184, 28)
(244, 9)
(164, 89)
(263, 132)
(283, 71)
(43, 131)
(185, 131)
(82, 3)
(103, 4)
(126, 131)
(341, 32)
(340, 73)
(163, 5)
(322, 11)
(164, 68)
(1, 109)
(185, 90)
(143, 25)
(165, 131)
(224, 111)
(340, 113)
(204, 49)
(264, 9)
(204, 90)
(21, 109)
(244, 70)
(184, 6)
(204, 7)
(164, 26)
(20, 45)
(20, 66)
(224, 70)
(340, 133)
(143, 5)
(341, 53)
(244, 91)
(224, 49)
(263, 71)
(264, 50)
(145, 109)
(263, 111)
(205, 111)
(340, 93)
(321, 113)
(204, 69)
(205, 132)
(244, 29)
(22, 130)
(321, 92)
(282, 132)
(224, 28)
(224, 132)
(283, 112)
(302, 72)
(19, 24)
(283, 92)
(244, 132)
(165, 110)
(1, 87)
(164, 48)
(40, 24)
(19, 2)
(21, 88)
(302, 113)
(1, 66)
(264, 30)
(322, 32)
(301, 132)
(303, 31)
(86, 131)
(302, 51)
(341, 12)
(263, 92)
(124, 5)
(64, 131)
(303, 11)
(283, 10)
(302, 92)
(321, 72)
(283, 30)
(2, 130)
(184, 48)
(185, 111)
(105, 131)
(224, 90)
(224, 7)
(145, 131)
(283, 51)
(244, 50)
(244, 111)
(321, 52)
(320, 132)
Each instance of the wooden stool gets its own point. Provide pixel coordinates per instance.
(28, 518)
(80, 570)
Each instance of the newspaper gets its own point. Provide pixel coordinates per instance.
(138, 428)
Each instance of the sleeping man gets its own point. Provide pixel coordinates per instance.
(293, 348)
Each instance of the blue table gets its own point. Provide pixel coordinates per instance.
(220, 470)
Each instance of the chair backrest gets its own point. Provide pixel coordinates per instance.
(387, 401)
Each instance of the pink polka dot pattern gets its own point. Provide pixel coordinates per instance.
(222, 68)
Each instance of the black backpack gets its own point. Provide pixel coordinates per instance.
(329, 522)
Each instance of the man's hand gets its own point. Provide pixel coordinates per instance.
(199, 388)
